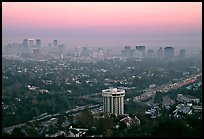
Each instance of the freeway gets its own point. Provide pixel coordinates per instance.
(10, 129)
(72, 111)
(166, 87)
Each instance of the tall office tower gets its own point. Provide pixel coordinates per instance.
(77, 52)
(25, 42)
(25, 46)
(168, 52)
(30, 45)
(150, 53)
(38, 43)
(128, 52)
(61, 49)
(85, 52)
(142, 49)
(182, 53)
(113, 101)
(55, 43)
(100, 53)
(160, 53)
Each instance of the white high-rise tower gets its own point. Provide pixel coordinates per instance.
(113, 101)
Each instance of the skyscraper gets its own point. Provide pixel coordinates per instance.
(142, 49)
(30, 45)
(160, 53)
(85, 52)
(38, 43)
(25, 46)
(127, 52)
(61, 49)
(182, 53)
(113, 101)
(77, 52)
(55, 43)
(25, 42)
(168, 52)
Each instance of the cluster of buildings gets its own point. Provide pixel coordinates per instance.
(37, 88)
(140, 52)
(33, 48)
(27, 47)
(113, 103)
(187, 105)
(85, 52)
(187, 99)
(153, 112)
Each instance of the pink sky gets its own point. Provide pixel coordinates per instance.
(101, 18)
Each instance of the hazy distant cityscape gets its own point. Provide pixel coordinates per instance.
(112, 69)
(33, 49)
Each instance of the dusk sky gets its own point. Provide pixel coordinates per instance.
(104, 24)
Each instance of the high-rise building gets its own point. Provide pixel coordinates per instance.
(25, 42)
(182, 53)
(160, 53)
(142, 49)
(55, 43)
(31, 42)
(85, 52)
(38, 43)
(30, 45)
(100, 53)
(61, 49)
(113, 101)
(128, 52)
(77, 52)
(24, 46)
(168, 52)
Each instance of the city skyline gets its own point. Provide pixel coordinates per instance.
(104, 24)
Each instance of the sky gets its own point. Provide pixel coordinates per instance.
(104, 24)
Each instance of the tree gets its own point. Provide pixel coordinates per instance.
(17, 133)
(85, 118)
(32, 132)
(5, 134)
(60, 119)
(122, 126)
(109, 133)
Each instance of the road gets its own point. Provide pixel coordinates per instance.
(165, 88)
(73, 111)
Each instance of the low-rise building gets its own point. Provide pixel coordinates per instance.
(187, 99)
(128, 121)
(197, 108)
